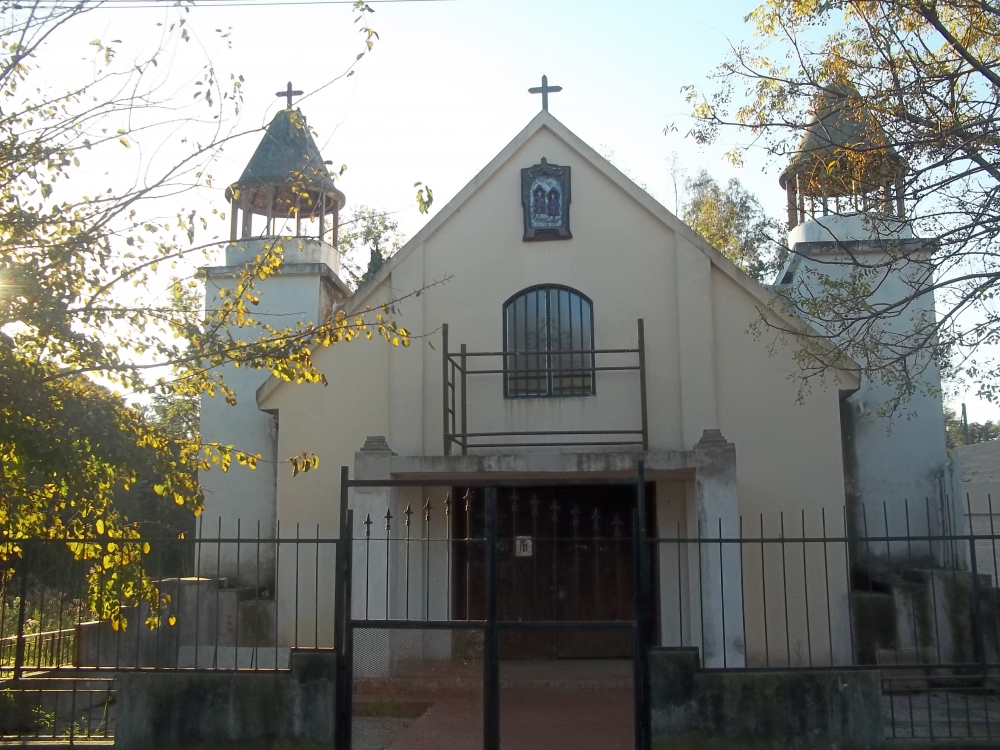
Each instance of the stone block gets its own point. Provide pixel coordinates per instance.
(694, 709)
(286, 709)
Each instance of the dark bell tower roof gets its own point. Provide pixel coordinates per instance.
(844, 151)
(288, 167)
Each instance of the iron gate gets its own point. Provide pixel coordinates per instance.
(493, 614)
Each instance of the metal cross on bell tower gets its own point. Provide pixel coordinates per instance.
(544, 90)
(288, 93)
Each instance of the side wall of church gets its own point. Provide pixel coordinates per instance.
(331, 422)
(791, 483)
(788, 451)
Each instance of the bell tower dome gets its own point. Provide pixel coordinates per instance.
(286, 191)
(845, 181)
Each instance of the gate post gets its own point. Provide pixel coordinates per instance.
(978, 652)
(19, 644)
(491, 641)
(342, 615)
(642, 613)
(720, 588)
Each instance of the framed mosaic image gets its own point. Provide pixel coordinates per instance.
(545, 197)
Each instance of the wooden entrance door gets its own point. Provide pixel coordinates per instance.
(563, 554)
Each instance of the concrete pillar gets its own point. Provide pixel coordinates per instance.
(373, 566)
(720, 564)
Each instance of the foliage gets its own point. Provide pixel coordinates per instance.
(918, 78)
(732, 220)
(83, 301)
(371, 230)
(178, 415)
(978, 432)
(425, 196)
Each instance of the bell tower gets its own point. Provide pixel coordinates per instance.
(284, 203)
(847, 215)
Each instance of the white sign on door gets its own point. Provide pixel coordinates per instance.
(522, 546)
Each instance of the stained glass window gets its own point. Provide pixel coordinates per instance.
(548, 343)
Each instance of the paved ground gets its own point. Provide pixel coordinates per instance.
(585, 705)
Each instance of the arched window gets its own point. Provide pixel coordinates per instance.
(548, 340)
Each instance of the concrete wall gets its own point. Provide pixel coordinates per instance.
(898, 461)
(248, 710)
(243, 501)
(976, 493)
(694, 709)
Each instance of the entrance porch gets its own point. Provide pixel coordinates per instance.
(564, 544)
(514, 595)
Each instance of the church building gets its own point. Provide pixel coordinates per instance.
(564, 329)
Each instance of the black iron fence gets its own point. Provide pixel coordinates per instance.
(224, 603)
(442, 590)
(498, 611)
(899, 591)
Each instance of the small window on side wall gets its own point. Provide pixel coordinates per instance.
(548, 343)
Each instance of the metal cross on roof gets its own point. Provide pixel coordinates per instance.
(544, 90)
(288, 93)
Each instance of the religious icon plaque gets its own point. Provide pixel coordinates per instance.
(545, 197)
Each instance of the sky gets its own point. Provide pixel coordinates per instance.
(445, 87)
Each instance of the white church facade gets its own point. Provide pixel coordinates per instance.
(568, 328)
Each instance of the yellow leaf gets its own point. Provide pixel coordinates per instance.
(145, 548)
(124, 141)
(100, 526)
(172, 620)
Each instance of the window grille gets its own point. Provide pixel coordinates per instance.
(548, 343)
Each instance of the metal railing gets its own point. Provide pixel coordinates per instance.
(457, 368)
(448, 582)
(234, 602)
(900, 594)
(45, 650)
